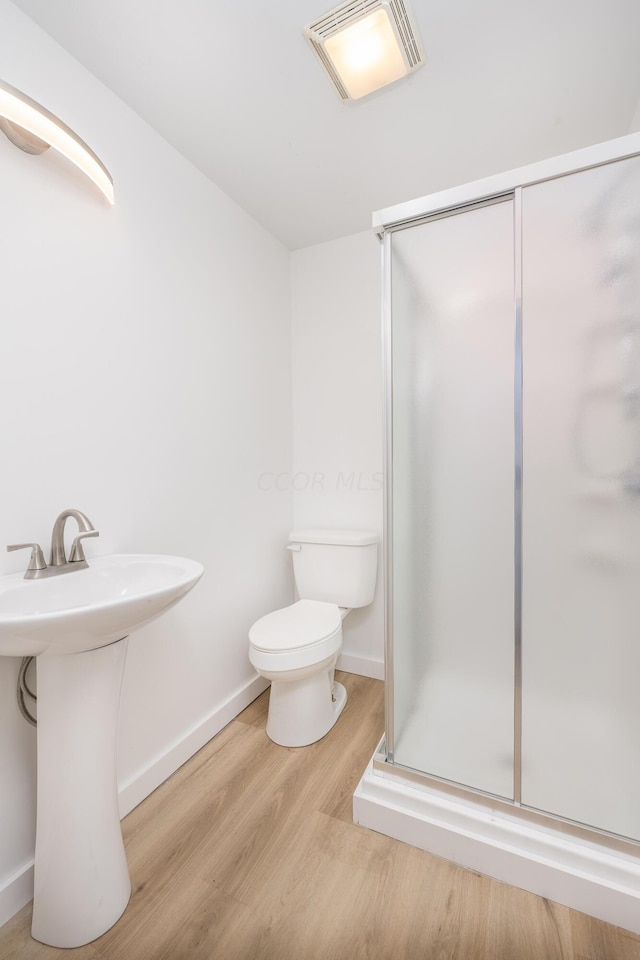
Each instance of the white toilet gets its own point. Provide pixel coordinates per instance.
(297, 647)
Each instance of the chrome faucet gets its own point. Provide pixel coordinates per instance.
(86, 528)
(59, 564)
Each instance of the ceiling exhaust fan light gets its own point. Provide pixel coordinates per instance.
(365, 44)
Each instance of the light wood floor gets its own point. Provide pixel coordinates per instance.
(248, 853)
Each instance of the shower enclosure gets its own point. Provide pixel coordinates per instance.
(512, 343)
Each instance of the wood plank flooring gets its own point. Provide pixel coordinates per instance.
(248, 853)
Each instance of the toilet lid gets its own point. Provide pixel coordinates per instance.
(303, 623)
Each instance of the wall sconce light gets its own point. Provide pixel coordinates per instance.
(365, 44)
(32, 128)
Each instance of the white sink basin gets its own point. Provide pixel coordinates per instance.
(90, 608)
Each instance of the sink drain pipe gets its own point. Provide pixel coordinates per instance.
(24, 691)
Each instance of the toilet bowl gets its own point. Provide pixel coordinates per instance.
(296, 647)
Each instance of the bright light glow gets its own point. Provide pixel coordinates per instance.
(19, 109)
(366, 54)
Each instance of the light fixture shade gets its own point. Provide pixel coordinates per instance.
(365, 44)
(30, 118)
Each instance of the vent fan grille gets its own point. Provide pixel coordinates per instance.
(340, 17)
(353, 10)
(328, 66)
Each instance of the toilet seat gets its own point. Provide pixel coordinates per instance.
(299, 635)
(298, 625)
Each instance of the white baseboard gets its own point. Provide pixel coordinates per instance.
(18, 889)
(16, 892)
(363, 666)
(586, 876)
(134, 790)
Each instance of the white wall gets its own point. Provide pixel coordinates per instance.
(337, 404)
(635, 121)
(145, 379)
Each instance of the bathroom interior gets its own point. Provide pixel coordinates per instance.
(234, 350)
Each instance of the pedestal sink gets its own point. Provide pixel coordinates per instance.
(77, 625)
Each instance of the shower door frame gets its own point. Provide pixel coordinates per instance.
(404, 216)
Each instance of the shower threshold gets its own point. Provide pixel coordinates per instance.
(596, 874)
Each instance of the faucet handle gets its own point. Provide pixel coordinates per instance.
(77, 551)
(36, 560)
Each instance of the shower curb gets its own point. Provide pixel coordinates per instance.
(583, 875)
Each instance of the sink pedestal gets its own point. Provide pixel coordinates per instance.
(82, 882)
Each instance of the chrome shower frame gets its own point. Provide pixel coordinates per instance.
(495, 189)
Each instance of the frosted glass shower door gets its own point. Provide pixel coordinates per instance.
(581, 497)
(453, 497)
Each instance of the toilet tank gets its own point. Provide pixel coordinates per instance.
(337, 566)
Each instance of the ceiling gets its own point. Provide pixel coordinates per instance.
(234, 87)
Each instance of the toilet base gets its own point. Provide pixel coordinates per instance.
(303, 711)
